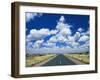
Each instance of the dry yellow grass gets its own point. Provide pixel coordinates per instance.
(32, 60)
(82, 57)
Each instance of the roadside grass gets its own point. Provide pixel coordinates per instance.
(83, 57)
(35, 59)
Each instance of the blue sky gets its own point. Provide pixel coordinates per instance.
(56, 33)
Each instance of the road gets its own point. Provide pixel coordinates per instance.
(59, 60)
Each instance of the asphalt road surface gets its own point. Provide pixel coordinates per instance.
(59, 60)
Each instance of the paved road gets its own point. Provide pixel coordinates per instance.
(59, 60)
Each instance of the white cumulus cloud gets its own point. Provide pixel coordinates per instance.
(49, 44)
(58, 38)
(30, 16)
(63, 27)
(77, 36)
(62, 34)
(53, 31)
(80, 29)
(84, 38)
(53, 39)
(38, 43)
(38, 34)
(62, 19)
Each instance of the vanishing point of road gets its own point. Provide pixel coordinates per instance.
(60, 60)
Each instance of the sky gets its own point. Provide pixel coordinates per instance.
(56, 33)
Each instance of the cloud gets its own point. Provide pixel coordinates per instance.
(70, 43)
(80, 29)
(62, 19)
(65, 31)
(53, 31)
(53, 39)
(37, 44)
(29, 45)
(30, 16)
(58, 38)
(84, 38)
(57, 50)
(63, 27)
(75, 45)
(85, 45)
(49, 44)
(77, 36)
(61, 39)
(38, 34)
(86, 33)
(72, 40)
